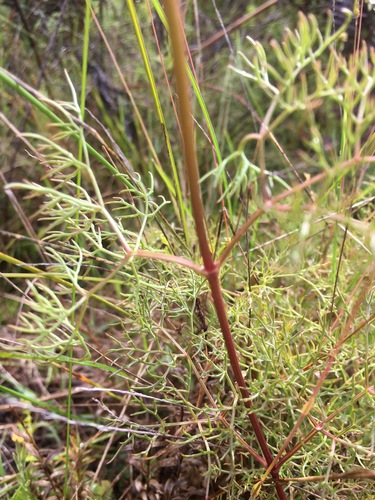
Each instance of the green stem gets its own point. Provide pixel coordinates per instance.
(81, 139)
(159, 111)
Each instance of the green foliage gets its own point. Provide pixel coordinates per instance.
(123, 302)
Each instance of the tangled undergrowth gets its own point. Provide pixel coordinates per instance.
(166, 335)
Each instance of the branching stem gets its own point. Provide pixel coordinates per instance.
(211, 268)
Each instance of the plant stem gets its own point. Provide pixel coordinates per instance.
(187, 130)
(212, 269)
(219, 304)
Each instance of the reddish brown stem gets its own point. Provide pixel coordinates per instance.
(219, 304)
(172, 9)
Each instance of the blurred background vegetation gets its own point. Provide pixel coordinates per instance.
(41, 39)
